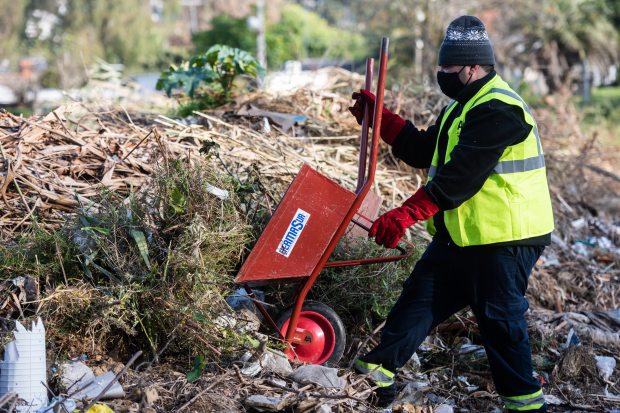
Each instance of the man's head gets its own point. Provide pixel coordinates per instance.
(466, 54)
(466, 44)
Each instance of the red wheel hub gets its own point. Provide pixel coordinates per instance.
(323, 341)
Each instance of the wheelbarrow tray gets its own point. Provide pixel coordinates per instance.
(299, 231)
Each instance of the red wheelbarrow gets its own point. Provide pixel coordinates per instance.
(300, 237)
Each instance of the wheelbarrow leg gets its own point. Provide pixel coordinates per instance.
(300, 295)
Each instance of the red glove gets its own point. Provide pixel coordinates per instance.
(390, 227)
(391, 124)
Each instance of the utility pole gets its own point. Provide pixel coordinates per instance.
(586, 80)
(193, 13)
(261, 47)
(306, 32)
(419, 46)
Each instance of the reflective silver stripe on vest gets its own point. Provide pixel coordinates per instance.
(452, 102)
(432, 171)
(522, 165)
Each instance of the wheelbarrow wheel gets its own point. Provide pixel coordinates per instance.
(328, 331)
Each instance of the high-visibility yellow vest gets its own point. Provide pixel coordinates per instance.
(514, 202)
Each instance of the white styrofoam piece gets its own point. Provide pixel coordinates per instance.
(76, 372)
(100, 383)
(23, 369)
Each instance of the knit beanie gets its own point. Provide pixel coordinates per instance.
(466, 44)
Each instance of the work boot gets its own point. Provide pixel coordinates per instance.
(384, 396)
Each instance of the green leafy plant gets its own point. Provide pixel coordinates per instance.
(189, 78)
(220, 65)
(197, 368)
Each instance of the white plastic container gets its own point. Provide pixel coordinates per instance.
(23, 369)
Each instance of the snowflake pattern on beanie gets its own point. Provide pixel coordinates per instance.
(472, 33)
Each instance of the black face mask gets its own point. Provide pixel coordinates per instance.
(450, 83)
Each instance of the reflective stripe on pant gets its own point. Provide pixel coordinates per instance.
(493, 281)
(524, 403)
(382, 377)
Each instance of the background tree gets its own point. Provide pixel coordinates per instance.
(11, 25)
(68, 33)
(285, 38)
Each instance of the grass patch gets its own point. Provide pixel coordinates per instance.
(602, 113)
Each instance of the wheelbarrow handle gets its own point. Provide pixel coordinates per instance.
(364, 227)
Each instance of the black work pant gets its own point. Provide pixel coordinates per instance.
(492, 281)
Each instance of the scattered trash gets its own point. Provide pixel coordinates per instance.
(549, 260)
(99, 408)
(67, 404)
(268, 362)
(410, 408)
(551, 399)
(444, 408)
(225, 321)
(414, 362)
(285, 120)
(93, 387)
(572, 339)
(251, 369)
(277, 364)
(578, 223)
(220, 193)
(606, 366)
(325, 376)
(24, 368)
(581, 249)
(268, 404)
(409, 395)
(242, 304)
(466, 349)
(266, 126)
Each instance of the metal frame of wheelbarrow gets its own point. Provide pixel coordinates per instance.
(364, 183)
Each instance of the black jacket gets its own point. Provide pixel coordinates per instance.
(489, 129)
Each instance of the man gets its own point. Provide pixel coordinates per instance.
(487, 205)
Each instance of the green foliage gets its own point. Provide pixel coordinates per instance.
(229, 63)
(284, 38)
(141, 265)
(189, 78)
(557, 35)
(220, 63)
(69, 33)
(197, 368)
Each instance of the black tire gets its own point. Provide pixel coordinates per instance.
(334, 320)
